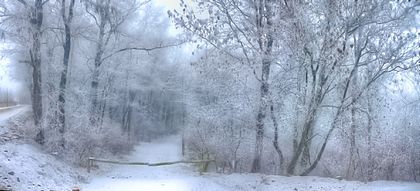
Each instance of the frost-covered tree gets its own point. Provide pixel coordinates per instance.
(318, 51)
(67, 20)
(245, 31)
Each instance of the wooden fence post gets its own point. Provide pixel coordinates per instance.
(89, 164)
(183, 146)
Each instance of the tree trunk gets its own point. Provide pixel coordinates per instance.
(276, 139)
(306, 153)
(93, 116)
(265, 41)
(351, 169)
(128, 110)
(94, 113)
(324, 144)
(353, 127)
(318, 82)
(66, 57)
(35, 54)
(303, 141)
(351, 165)
(370, 157)
(300, 103)
(370, 97)
(262, 110)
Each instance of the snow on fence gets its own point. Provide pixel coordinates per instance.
(204, 163)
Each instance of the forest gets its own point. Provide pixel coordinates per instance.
(327, 88)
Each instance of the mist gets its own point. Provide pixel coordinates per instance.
(272, 88)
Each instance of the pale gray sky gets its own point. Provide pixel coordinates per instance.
(170, 4)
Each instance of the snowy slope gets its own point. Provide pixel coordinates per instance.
(25, 167)
(185, 178)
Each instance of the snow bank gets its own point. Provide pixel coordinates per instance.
(304, 183)
(25, 167)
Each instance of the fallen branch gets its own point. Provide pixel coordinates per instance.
(118, 162)
(179, 162)
(205, 162)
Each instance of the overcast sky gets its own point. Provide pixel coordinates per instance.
(5, 77)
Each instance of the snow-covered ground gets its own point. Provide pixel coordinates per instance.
(23, 166)
(185, 178)
(8, 112)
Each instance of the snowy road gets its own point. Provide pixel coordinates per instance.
(185, 178)
(7, 113)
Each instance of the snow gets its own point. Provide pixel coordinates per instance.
(183, 177)
(25, 167)
(8, 112)
(130, 178)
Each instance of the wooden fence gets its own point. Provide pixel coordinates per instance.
(204, 163)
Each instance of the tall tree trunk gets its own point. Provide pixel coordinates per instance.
(300, 103)
(352, 153)
(66, 57)
(265, 40)
(371, 164)
(262, 110)
(35, 54)
(309, 122)
(276, 139)
(370, 156)
(352, 165)
(94, 111)
(318, 83)
(306, 155)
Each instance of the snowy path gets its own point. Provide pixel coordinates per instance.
(178, 177)
(184, 178)
(7, 113)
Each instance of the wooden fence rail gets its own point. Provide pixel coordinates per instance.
(204, 163)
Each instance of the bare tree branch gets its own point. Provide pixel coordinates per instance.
(142, 49)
